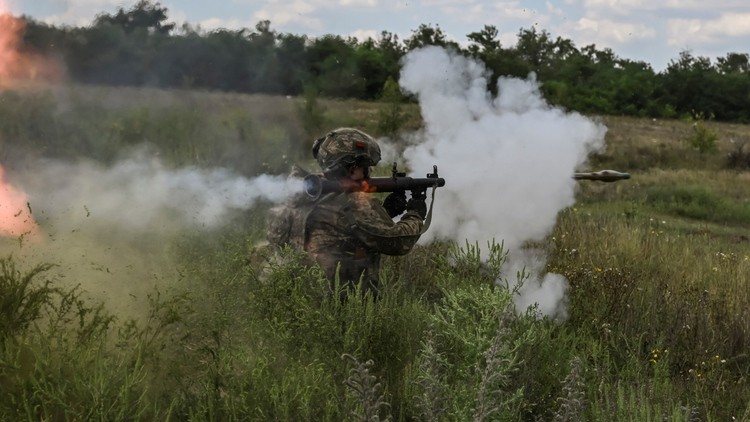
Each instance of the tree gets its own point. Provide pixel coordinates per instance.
(391, 50)
(291, 53)
(144, 15)
(484, 42)
(686, 84)
(535, 48)
(427, 35)
(334, 68)
(734, 63)
(263, 69)
(373, 67)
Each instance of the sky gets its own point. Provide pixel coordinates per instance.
(652, 31)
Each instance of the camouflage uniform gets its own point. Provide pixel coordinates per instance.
(344, 233)
(349, 231)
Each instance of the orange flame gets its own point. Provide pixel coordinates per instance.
(17, 66)
(15, 211)
(365, 187)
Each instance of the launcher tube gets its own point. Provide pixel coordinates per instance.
(315, 186)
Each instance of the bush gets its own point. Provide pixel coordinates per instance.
(703, 139)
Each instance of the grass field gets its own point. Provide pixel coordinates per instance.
(658, 323)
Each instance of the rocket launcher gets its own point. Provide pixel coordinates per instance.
(315, 185)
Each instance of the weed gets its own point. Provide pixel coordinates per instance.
(23, 300)
(366, 392)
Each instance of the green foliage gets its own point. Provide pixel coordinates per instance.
(697, 202)
(312, 113)
(703, 139)
(60, 367)
(334, 66)
(391, 115)
(658, 297)
(22, 300)
(143, 15)
(138, 47)
(427, 35)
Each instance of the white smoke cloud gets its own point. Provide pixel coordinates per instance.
(508, 161)
(140, 193)
(110, 229)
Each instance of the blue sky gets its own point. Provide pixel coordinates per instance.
(648, 30)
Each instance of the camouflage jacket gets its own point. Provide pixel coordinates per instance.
(344, 233)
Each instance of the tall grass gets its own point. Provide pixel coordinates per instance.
(658, 268)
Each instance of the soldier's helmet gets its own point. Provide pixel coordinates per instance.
(345, 147)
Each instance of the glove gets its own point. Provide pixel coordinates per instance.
(395, 203)
(417, 204)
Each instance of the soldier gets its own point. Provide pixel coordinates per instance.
(346, 232)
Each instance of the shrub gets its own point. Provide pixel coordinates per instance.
(703, 139)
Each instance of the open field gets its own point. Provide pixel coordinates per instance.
(168, 321)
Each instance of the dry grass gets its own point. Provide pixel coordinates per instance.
(637, 144)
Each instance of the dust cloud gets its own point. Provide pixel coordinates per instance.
(508, 162)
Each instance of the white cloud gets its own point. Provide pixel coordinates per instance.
(474, 13)
(232, 24)
(513, 10)
(704, 5)
(629, 7)
(445, 2)
(297, 12)
(366, 3)
(364, 34)
(608, 31)
(82, 12)
(692, 31)
(554, 10)
(617, 3)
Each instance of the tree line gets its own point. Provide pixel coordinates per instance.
(140, 47)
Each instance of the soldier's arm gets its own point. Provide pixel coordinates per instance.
(374, 228)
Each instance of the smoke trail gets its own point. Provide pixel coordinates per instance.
(508, 161)
(110, 229)
(140, 194)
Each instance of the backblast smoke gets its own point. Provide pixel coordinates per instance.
(109, 228)
(508, 161)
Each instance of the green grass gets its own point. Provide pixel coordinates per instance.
(659, 299)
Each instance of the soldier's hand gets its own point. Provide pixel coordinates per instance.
(395, 203)
(418, 205)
